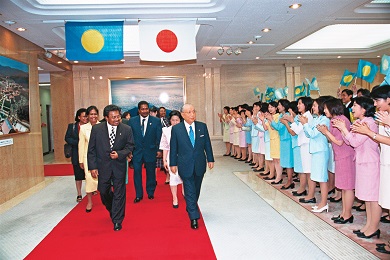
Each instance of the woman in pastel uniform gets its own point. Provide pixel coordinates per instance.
(367, 163)
(85, 132)
(304, 107)
(319, 150)
(286, 151)
(226, 129)
(248, 129)
(174, 178)
(254, 137)
(241, 135)
(229, 119)
(261, 126)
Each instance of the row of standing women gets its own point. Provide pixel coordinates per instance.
(314, 139)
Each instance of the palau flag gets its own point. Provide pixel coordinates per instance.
(285, 89)
(385, 62)
(256, 91)
(299, 91)
(366, 71)
(261, 97)
(279, 93)
(94, 41)
(347, 78)
(269, 94)
(386, 80)
(313, 84)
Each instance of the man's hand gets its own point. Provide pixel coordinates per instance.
(211, 165)
(159, 154)
(129, 157)
(173, 169)
(114, 155)
(94, 173)
(82, 166)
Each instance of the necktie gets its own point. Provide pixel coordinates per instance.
(143, 127)
(192, 136)
(112, 137)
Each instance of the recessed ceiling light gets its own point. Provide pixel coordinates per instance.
(21, 29)
(295, 6)
(76, 61)
(123, 60)
(299, 57)
(101, 77)
(9, 22)
(266, 30)
(59, 62)
(250, 42)
(39, 68)
(378, 56)
(257, 58)
(338, 57)
(213, 58)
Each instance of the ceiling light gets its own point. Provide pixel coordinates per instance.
(257, 58)
(9, 22)
(299, 57)
(59, 62)
(378, 56)
(48, 54)
(338, 57)
(39, 68)
(229, 51)
(21, 29)
(123, 60)
(101, 77)
(250, 42)
(266, 30)
(295, 6)
(213, 58)
(60, 54)
(76, 61)
(237, 51)
(220, 51)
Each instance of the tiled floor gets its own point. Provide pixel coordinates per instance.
(246, 219)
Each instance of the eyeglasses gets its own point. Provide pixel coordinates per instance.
(190, 112)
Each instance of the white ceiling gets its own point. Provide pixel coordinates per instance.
(222, 22)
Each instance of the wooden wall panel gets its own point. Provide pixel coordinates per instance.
(22, 162)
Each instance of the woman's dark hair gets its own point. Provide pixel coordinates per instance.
(110, 108)
(242, 111)
(258, 103)
(245, 106)
(285, 103)
(142, 103)
(264, 107)
(294, 106)
(250, 109)
(365, 92)
(175, 113)
(367, 104)
(227, 108)
(78, 113)
(380, 92)
(335, 106)
(125, 114)
(307, 102)
(320, 101)
(90, 108)
(153, 109)
(235, 109)
(348, 92)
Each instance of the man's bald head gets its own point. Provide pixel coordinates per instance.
(188, 113)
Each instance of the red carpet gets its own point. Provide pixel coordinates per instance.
(58, 169)
(152, 229)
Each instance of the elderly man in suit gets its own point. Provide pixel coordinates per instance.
(147, 134)
(190, 147)
(110, 144)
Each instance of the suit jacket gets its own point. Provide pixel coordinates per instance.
(190, 159)
(347, 111)
(99, 148)
(146, 146)
(318, 142)
(72, 138)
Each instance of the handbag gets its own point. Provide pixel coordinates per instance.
(67, 150)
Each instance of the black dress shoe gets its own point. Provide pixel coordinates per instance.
(376, 233)
(88, 210)
(312, 200)
(226, 154)
(136, 200)
(264, 173)
(344, 221)
(275, 183)
(332, 191)
(251, 164)
(256, 170)
(151, 197)
(357, 232)
(335, 200)
(303, 193)
(381, 245)
(383, 250)
(194, 224)
(384, 219)
(117, 226)
(247, 161)
(291, 186)
(241, 160)
(175, 206)
(268, 178)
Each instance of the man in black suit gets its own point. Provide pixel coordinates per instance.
(347, 99)
(190, 147)
(109, 145)
(147, 134)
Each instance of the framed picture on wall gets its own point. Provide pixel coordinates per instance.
(14, 97)
(168, 92)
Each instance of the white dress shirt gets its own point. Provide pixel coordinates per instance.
(188, 128)
(145, 123)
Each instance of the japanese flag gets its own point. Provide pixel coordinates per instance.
(167, 41)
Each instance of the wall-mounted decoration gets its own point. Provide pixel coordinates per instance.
(168, 92)
(14, 97)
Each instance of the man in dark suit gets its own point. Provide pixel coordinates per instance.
(109, 145)
(190, 146)
(147, 134)
(347, 99)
